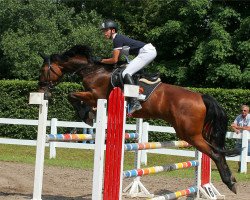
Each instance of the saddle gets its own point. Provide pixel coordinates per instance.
(147, 82)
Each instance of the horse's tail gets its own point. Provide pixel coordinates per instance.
(215, 126)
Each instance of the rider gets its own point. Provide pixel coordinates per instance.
(145, 53)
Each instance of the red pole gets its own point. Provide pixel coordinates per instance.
(205, 169)
(114, 145)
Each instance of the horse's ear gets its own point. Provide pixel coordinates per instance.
(43, 56)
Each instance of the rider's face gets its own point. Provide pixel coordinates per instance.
(108, 33)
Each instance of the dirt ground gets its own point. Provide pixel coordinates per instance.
(16, 182)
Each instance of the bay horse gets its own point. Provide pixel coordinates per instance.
(197, 118)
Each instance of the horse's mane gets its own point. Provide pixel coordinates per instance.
(81, 50)
(53, 58)
(84, 50)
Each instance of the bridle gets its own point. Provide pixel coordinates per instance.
(49, 84)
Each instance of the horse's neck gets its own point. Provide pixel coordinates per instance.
(71, 68)
(98, 83)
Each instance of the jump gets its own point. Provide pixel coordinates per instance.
(198, 119)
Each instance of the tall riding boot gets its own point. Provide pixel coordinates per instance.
(134, 103)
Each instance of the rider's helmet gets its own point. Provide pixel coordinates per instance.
(109, 24)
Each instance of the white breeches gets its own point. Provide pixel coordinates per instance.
(146, 55)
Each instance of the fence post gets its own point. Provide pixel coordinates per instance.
(244, 153)
(144, 138)
(52, 145)
(139, 130)
(101, 126)
(38, 98)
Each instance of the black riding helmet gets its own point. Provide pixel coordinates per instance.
(109, 24)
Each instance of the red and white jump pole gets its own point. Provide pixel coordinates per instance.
(114, 146)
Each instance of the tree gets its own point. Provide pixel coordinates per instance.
(200, 43)
(197, 42)
(33, 27)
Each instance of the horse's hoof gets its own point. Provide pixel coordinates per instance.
(233, 188)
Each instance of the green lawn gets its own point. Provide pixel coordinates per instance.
(83, 159)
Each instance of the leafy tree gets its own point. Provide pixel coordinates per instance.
(242, 50)
(33, 27)
(196, 42)
(201, 43)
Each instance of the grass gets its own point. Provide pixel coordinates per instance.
(83, 159)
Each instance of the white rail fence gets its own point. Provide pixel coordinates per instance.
(54, 124)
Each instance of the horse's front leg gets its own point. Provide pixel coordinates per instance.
(83, 102)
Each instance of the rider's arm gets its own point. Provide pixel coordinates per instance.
(235, 128)
(114, 59)
(247, 128)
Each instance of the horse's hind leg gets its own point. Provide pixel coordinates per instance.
(225, 172)
(219, 159)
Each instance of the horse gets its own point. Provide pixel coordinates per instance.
(197, 118)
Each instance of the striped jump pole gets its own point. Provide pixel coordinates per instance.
(131, 136)
(69, 137)
(157, 169)
(155, 145)
(175, 195)
(79, 137)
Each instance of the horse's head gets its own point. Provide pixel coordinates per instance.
(51, 73)
(77, 60)
(55, 65)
